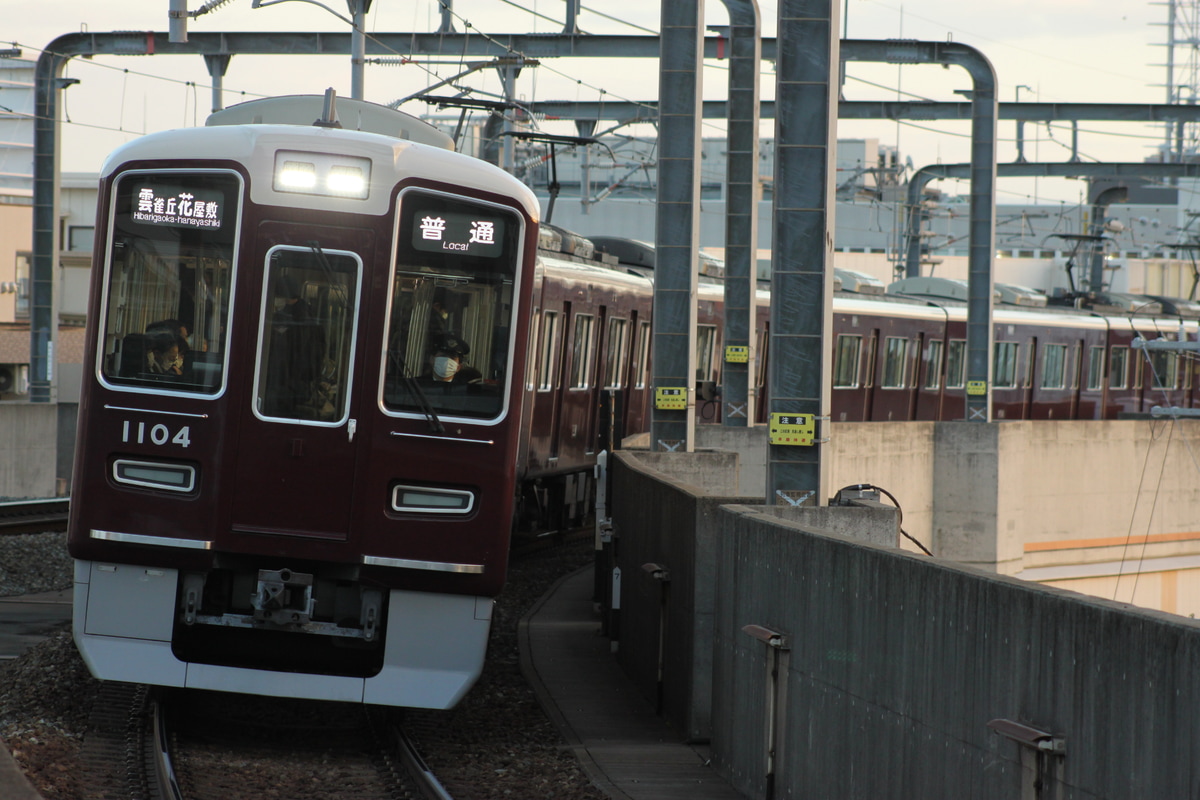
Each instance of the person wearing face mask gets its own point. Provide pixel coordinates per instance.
(448, 364)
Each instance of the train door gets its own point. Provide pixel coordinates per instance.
(1031, 377)
(558, 390)
(592, 421)
(870, 369)
(1076, 384)
(920, 369)
(295, 457)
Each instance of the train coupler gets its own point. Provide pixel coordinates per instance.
(283, 597)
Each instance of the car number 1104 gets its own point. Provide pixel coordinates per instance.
(155, 434)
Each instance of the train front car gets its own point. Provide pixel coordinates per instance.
(298, 431)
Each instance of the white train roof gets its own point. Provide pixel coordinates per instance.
(255, 146)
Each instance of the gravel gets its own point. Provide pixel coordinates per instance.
(34, 563)
(496, 745)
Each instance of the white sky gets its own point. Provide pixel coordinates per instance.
(1045, 50)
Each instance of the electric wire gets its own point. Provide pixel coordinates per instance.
(895, 502)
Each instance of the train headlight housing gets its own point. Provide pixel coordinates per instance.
(347, 181)
(322, 174)
(429, 500)
(296, 176)
(155, 475)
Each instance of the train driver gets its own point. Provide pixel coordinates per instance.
(448, 364)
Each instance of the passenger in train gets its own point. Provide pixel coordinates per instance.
(178, 331)
(165, 354)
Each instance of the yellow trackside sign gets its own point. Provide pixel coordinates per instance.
(797, 429)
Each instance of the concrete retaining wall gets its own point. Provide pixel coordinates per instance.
(993, 494)
(661, 519)
(664, 519)
(29, 450)
(897, 663)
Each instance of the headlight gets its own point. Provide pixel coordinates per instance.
(428, 500)
(322, 174)
(155, 475)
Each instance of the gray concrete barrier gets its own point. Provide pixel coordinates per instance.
(892, 675)
(29, 454)
(666, 522)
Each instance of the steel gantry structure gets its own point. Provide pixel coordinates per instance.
(218, 48)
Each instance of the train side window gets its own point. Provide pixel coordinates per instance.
(1054, 366)
(706, 341)
(1095, 379)
(1076, 364)
(168, 279)
(1164, 368)
(582, 351)
(1004, 365)
(614, 362)
(895, 363)
(933, 364)
(532, 365)
(764, 339)
(643, 355)
(956, 364)
(1118, 369)
(846, 360)
(547, 363)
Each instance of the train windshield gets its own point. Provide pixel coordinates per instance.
(170, 269)
(449, 330)
(306, 341)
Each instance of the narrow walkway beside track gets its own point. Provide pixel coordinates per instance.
(626, 749)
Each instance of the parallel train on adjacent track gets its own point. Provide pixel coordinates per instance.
(330, 364)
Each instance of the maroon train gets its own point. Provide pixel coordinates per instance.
(299, 433)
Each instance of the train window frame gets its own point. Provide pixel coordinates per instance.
(760, 359)
(1005, 356)
(218, 295)
(895, 362)
(1095, 379)
(547, 363)
(531, 351)
(1030, 351)
(706, 345)
(429, 260)
(269, 326)
(1054, 366)
(616, 352)
(583, 352)
(956, 364)
(847, 361)
(933, 365)
(1118, 367)
(1164, 367)
(642, 359)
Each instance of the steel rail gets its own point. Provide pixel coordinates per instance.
(33, 516)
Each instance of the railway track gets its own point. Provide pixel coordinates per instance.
(33, 516)
(150, 745)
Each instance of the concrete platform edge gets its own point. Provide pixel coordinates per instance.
(13, 783)
(597, 775)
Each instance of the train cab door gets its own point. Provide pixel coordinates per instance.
(295, 458)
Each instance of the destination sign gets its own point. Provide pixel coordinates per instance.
(465, 234)
(155, 204)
